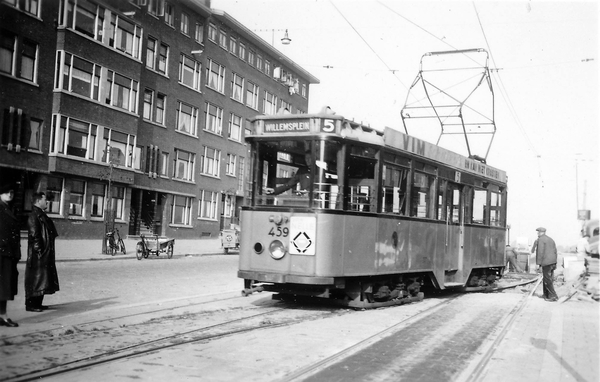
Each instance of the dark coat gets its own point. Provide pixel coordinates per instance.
(546, 253)
(41, 276)
(10, 252)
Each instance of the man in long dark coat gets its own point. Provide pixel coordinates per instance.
(546, 257)
(41, 277)
(10, 252)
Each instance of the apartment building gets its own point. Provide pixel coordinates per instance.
(132, 114)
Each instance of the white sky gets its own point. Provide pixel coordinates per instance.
(546, 85)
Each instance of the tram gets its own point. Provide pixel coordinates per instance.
(344, 212)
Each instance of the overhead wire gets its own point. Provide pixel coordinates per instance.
(368, 45)
(506, 98)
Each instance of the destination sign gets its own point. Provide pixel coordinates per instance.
(288, 126)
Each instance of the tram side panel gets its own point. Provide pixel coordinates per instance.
(483, 248)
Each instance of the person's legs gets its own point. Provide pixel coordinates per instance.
(548, 277)
(2, 309)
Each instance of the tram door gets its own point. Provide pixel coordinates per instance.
(453, 258)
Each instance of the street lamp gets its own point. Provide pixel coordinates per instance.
(286, 40)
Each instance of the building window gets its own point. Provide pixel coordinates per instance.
(286, 106)
(199, 33)
(212, 32)
(151, 47)
(20, 131)
(74, 138)
(235, 127)
(270, 104)
(181, 210)
(237, 87)
(184, 165)
(156, 7)
(241, 170)
(169, 14)
(185, 24)
(157, 56)
(127, 36)
(233, 45)
(85, 17)
(23, 56)
(76, 197)
(54, 194)
(207, 208)
(210, 161)
(29, 6)
(223, 39)
(35, 139)
(252, 95)
(164, 164)
(259, 62)
(8, 47)
(154, 107)
(242, 54)
(98, 195)
(78, 76)
(187, 118)
(304, 90)
(189, 72)
(213, 119)
(117, 202)
(251, 57)
(137, 158)
(148, 104)
(268, 67)
(230, 165)
(215, 76)
(29, 52)
(159, 113)
(121, 91)
(117, 147)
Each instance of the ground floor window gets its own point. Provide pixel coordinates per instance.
(208, 205)
(181, 210)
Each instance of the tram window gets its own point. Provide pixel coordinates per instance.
(479, 206)
(441, 199)
(422, 192)
(361, 177)
(495, 209)
(287, 173)
(454, 202)
(395, 183)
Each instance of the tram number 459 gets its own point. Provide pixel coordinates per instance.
(278, 231)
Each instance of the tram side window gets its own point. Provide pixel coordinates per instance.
(495, 209)
(422, 195)
(448, 201)
(479, 206)
(395, 187)
(361, 179)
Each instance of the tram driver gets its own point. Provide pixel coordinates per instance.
(301, 177)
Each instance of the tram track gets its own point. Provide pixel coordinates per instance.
(32, 337)
(245, 323)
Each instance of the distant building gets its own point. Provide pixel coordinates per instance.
(152, 97)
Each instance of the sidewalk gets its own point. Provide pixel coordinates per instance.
(87, 250)
(550, 341)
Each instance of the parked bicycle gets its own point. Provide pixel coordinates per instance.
(114, 244)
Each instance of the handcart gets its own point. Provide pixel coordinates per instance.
(230, 239)
(154, 245)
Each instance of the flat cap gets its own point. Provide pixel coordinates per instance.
(6, 187)
(541, 229)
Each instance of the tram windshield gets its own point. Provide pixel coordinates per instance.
(301, 173)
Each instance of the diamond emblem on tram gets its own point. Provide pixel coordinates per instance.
(302, 242)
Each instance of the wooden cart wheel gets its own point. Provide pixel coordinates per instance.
(139, 250)
(170, 250)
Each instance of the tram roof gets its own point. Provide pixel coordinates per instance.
(322, 123)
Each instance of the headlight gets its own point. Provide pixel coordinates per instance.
(277, 249)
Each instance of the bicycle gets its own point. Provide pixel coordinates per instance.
(114, 245)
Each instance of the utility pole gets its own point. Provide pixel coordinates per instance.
(109, 221)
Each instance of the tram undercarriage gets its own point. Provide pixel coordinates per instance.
(371, 291)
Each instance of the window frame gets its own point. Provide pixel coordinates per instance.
(193, 118)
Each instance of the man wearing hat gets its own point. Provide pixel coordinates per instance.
(546, 256)
(10, 251)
